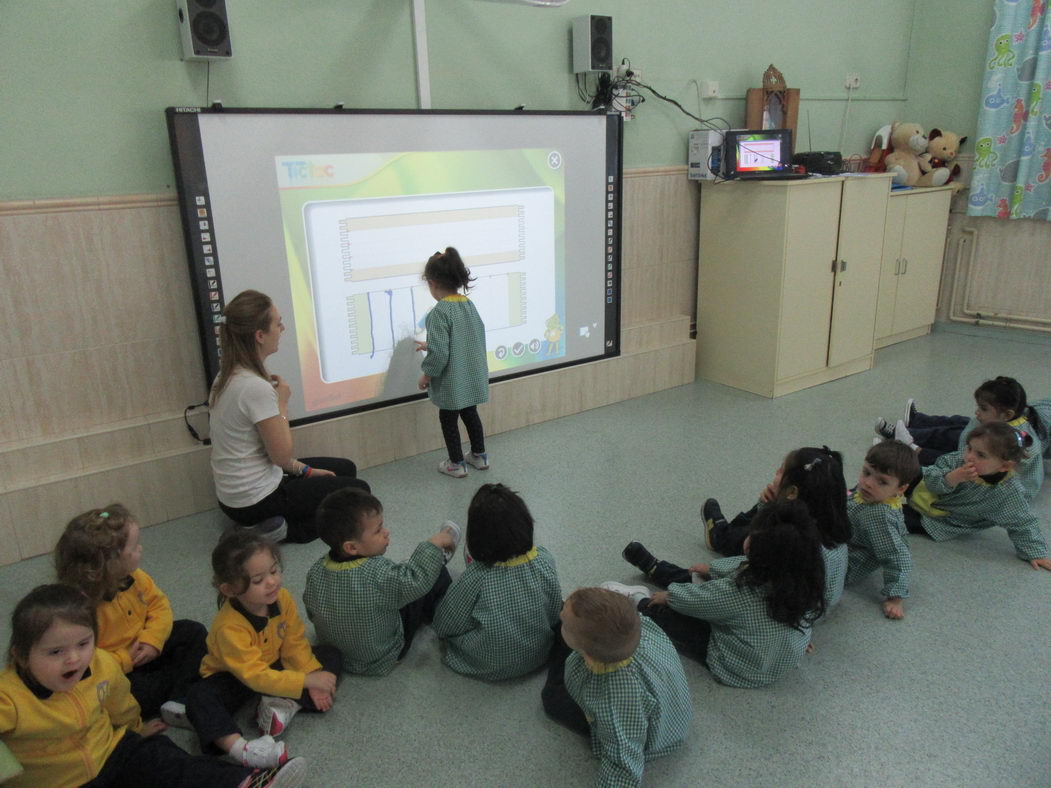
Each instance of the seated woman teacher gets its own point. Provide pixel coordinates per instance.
(257, 475)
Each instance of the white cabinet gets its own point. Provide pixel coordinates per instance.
(787, 278)
(913, 248)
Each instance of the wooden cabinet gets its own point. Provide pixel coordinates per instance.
(787, 278)
(913, 248)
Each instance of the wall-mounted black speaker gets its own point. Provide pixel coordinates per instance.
(204, 29)
(592, 43)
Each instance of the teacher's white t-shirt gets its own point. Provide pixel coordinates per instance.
(243, 472)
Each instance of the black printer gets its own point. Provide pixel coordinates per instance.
(820, 162)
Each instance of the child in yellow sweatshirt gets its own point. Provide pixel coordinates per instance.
(67, 713)
(99, 554)
(257, 647)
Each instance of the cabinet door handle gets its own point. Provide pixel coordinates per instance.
(905, 266)
(897, 266)
(842, 265)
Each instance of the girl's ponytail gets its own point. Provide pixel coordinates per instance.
(817, 475)
(447, 270)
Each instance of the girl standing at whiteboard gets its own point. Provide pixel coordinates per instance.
(455, 371)
(259, 481)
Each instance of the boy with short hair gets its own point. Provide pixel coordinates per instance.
(623, 684)
(878, 523)
(359, 600)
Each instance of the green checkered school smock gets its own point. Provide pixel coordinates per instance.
(747, 647)
(497, 620)
(1030, 471)
(354, 604)
(835, 573)
(878, 542)
(638, 709)
(948, 512)
(455, 358)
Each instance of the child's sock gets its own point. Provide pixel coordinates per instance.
(237, 752)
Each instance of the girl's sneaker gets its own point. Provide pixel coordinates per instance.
(288, 775)
(264, 753)
(272, 715)
(457, 470)
(910, 411)
(479, 461)
(901, 433)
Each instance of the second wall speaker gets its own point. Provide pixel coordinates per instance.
(204, 29)
(592, 43)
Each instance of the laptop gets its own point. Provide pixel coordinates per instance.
(759, 155)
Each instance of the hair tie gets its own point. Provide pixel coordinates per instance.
(104, 515)
(810, 465)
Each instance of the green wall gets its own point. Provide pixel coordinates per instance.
(83, 84)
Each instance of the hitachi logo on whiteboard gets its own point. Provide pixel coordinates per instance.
(304, 172)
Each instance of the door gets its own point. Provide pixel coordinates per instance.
(922, 249)
(891, 265)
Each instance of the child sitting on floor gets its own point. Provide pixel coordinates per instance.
(747, 618)
(878, 525)
(257, 647)
(361, 601)
(99, 554)
(67, 713)
(497, 617)
(977, 489)
(623, 684)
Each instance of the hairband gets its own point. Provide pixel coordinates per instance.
(104, 515)
(810, 465)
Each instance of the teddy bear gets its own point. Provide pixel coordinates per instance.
(908, 142)
(939, 160)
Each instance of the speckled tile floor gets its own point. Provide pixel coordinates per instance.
(954, 695)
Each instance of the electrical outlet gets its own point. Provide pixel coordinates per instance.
(710, 89)
(853, 81)
(622, 70)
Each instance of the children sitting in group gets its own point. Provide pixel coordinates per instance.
(999, 399)
(877, 524)
(497, 617)
(257, 646)
(99, 554)
(974, 489)
(747, 618)
(623, 684)
(359, 600)
(68, 716)
(815, 477)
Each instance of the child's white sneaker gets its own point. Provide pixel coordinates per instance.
(457, 470)
(479, 461)
(637, 593)
(910, 411)
(272, 715)
(264, 753)
(901, 433)
(174, 714)
(290, 774)
(449, 525)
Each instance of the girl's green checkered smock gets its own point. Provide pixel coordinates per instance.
(455, 359)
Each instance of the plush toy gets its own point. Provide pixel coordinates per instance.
(939, 161)
(908, 142)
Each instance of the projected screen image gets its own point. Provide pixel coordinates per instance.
(333, 214)
(362, 250)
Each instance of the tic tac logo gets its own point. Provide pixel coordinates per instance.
(307, 171)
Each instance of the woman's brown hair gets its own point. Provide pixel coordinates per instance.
(248, 312)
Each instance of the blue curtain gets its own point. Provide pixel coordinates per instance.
(1012, 152)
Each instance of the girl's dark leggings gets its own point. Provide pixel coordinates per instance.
(449, 420)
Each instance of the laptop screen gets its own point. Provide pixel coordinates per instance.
(757, 152)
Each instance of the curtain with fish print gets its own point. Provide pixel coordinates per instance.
(1012, 153)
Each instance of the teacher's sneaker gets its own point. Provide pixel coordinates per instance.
(457, 470)
(272, 715)
(479, 461)
(290, 774)
(273, 529)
